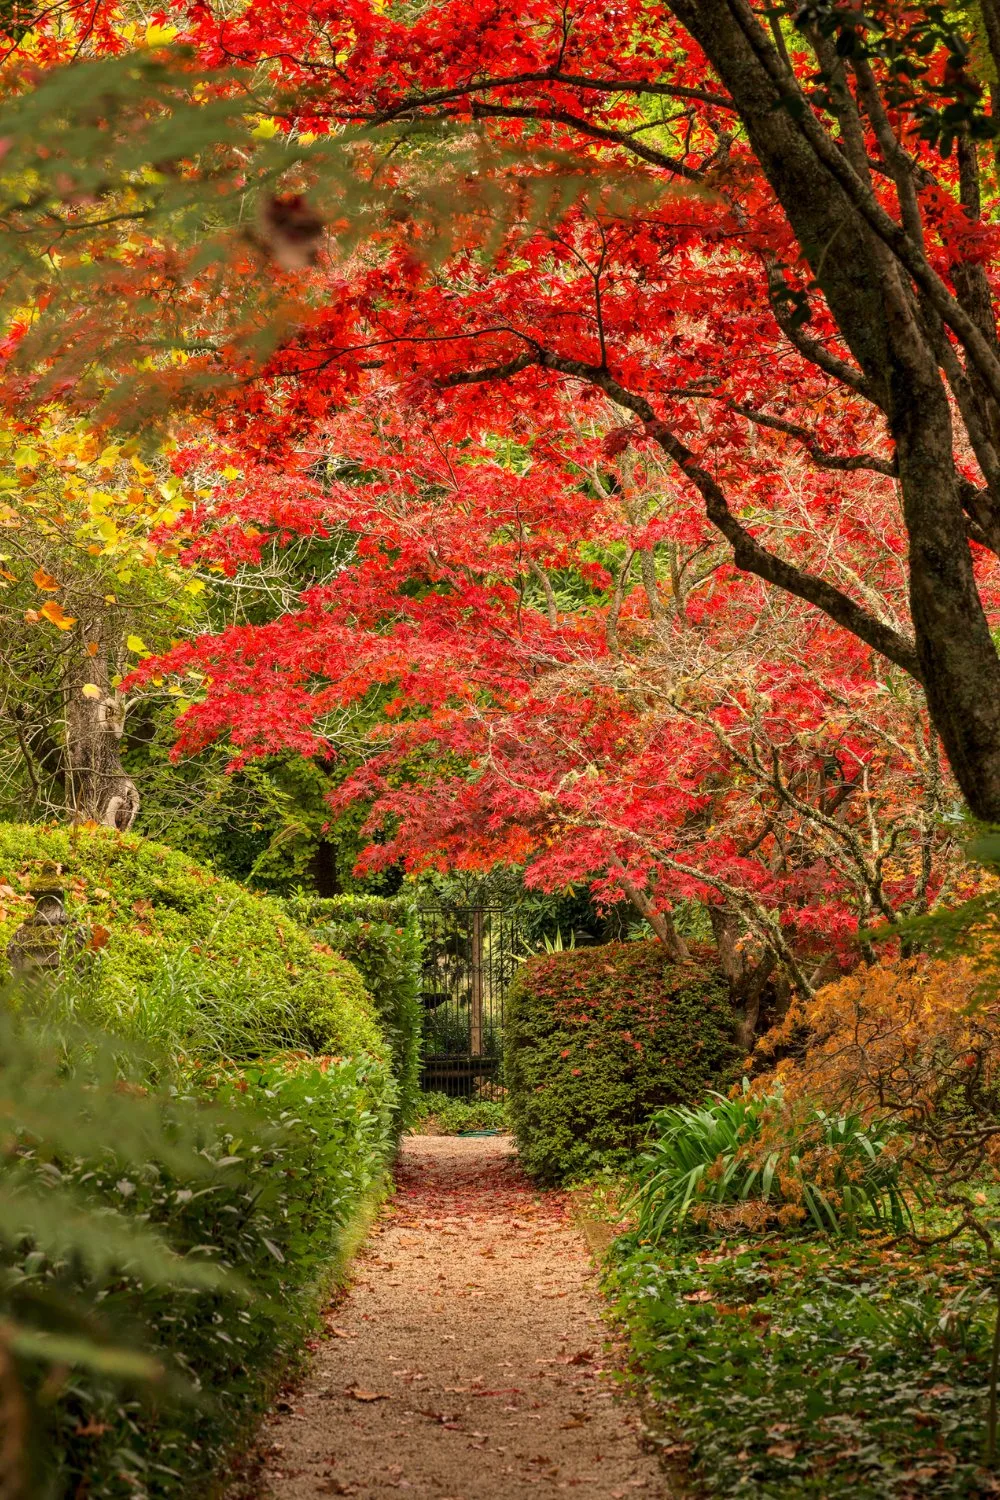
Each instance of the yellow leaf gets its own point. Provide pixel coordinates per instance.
(136, 643)
(90, 690)
(265, 130)
(43, 580)
(111, 598)
(54, 612)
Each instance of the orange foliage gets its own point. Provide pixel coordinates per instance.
(916, 1042)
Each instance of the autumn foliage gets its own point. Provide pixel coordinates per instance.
(626, 471)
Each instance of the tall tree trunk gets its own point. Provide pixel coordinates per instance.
(98, 789)
(895, 343)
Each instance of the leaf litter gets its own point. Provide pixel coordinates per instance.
(420, 1387)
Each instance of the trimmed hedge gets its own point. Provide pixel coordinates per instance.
(381, 937)
(185, 958)
(597, 1039)
(283, 1173)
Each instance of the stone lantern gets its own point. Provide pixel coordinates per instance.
(38, 942)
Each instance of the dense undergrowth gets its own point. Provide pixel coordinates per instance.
(814, 1367)
(810, 1275)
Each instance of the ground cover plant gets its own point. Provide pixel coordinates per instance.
(597, 1039)
(178, 956)
(812, 1367)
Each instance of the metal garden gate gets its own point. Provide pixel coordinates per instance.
(470, 957)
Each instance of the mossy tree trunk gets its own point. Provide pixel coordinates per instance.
(98, 790)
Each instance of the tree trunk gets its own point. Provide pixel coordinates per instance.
(876, 309)
(98, 789)
(747, 982)
(660, 921)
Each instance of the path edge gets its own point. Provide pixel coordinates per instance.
(235, 1477)
(600, 1236)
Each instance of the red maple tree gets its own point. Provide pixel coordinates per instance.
(771, 265)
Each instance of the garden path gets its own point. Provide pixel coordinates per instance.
(466, 1359)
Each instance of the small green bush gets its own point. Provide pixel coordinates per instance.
(597, 1040)
(186, 959)
(447, 1116)
(381, 937)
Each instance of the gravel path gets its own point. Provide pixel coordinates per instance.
(465, 1361)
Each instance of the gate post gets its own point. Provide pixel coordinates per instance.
(476, 1007)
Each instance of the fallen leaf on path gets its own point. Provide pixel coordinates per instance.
(359, 1395)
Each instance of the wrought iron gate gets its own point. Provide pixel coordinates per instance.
(470, 958)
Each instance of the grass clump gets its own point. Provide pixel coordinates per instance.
(731, 1164)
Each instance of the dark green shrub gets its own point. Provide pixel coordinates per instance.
(202, 1255)
(597, 1040)
(381, 937)
(188, 960)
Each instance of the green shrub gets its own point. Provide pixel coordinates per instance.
(313, 911)
(198, 1240)
(707, 1167)
(189, 960)
(449, 1116)
(381, 937)
(597, 1040)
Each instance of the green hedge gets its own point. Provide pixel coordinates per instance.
(189, 960)
(598, 1039)
(270, 1196)
(381, 937)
